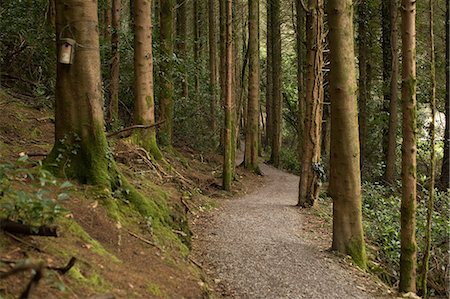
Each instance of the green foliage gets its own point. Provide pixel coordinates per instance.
(289, 160)
(26, 193)
(381, 211)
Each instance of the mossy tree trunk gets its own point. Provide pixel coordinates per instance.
(115, 64)
(80, 150)
(309, 185)
(269, 77)
(345, 176)
(408, 253)
(390, 74)
(144, 107)
(228, 163)
(166, 90)
(181, 32)
(212, 63)
(252, 123)
(276, 83)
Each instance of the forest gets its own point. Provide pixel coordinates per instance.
(224, 149)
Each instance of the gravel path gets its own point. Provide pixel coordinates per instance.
(254, 248)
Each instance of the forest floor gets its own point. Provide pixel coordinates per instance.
(260, 245)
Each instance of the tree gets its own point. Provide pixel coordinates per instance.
(80, 150)
(196, 47)
(276, 82)
(166, 72)
(430, 203)
(228, 163)
(181, 31)
(444, 180)
(115, 64)
(409, 150)
(345, 176)
(144, 107)
(212, 62)
(252, 124)
(309, 185)
(390, 74)
(269, 76)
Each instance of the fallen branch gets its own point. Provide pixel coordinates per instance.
(105, 296)
(33, 281)
(24, 229)
(143, 239)
(195, 263)
(61, 270)
(24, 242)
(134, 127)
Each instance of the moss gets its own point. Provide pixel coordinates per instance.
(94, 281)
(154, 289)
(357, 250)
(147, 140)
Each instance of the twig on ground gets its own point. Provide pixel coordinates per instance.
(144, 240)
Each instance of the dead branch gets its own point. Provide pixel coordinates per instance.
(24, 229)
(134, 127)
(24, 242)
(143, 239)
(33, 281)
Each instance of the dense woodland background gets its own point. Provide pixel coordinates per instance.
(189, 69)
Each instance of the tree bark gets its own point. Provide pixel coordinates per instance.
(108, 20)
(252, 124)
(309, 185)
(445, 171)
(269, 76)
(363, 49)
(115, 64)
(276, 84)
(181, 31)
(408, 254)
(80, 150)
(212, 63)
(196, 48)
(228, 163)
(345, 176)
(390, 73)
(166, 89)
(144, 107)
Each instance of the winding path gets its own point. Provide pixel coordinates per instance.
(254, 248)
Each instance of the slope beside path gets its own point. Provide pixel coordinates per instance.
(254, 247)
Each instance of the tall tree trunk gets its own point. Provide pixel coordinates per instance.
(345, 176)
(300, 51)
(309, 185)
(363, 49)
(228, 163)
(269, 76)
(252, 124)
(430, 203)
(390, 73)
(115, 65)
(80, 150)
(212, 63)
(445, 172)
(408, 254)
(276, 84)
(144, 107)
(196, 49)
(108, 19)
(166, 72)
(181, 31)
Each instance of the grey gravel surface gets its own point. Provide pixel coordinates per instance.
(253, 248)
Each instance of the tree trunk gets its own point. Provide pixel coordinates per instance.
(345, 176)
(445, 176)
(80, 150)
(390, 73)
(309, 185)
(196, 48)
(144, 107)
(181, 31)
(269, 77)
(115, 65)
(430, 202)
(300, 49)
(276, 84)
(228, 163)
(363, 49)
(108, 19)
(212, 63)
(166, 72)
(408, 206)
(252, 124)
